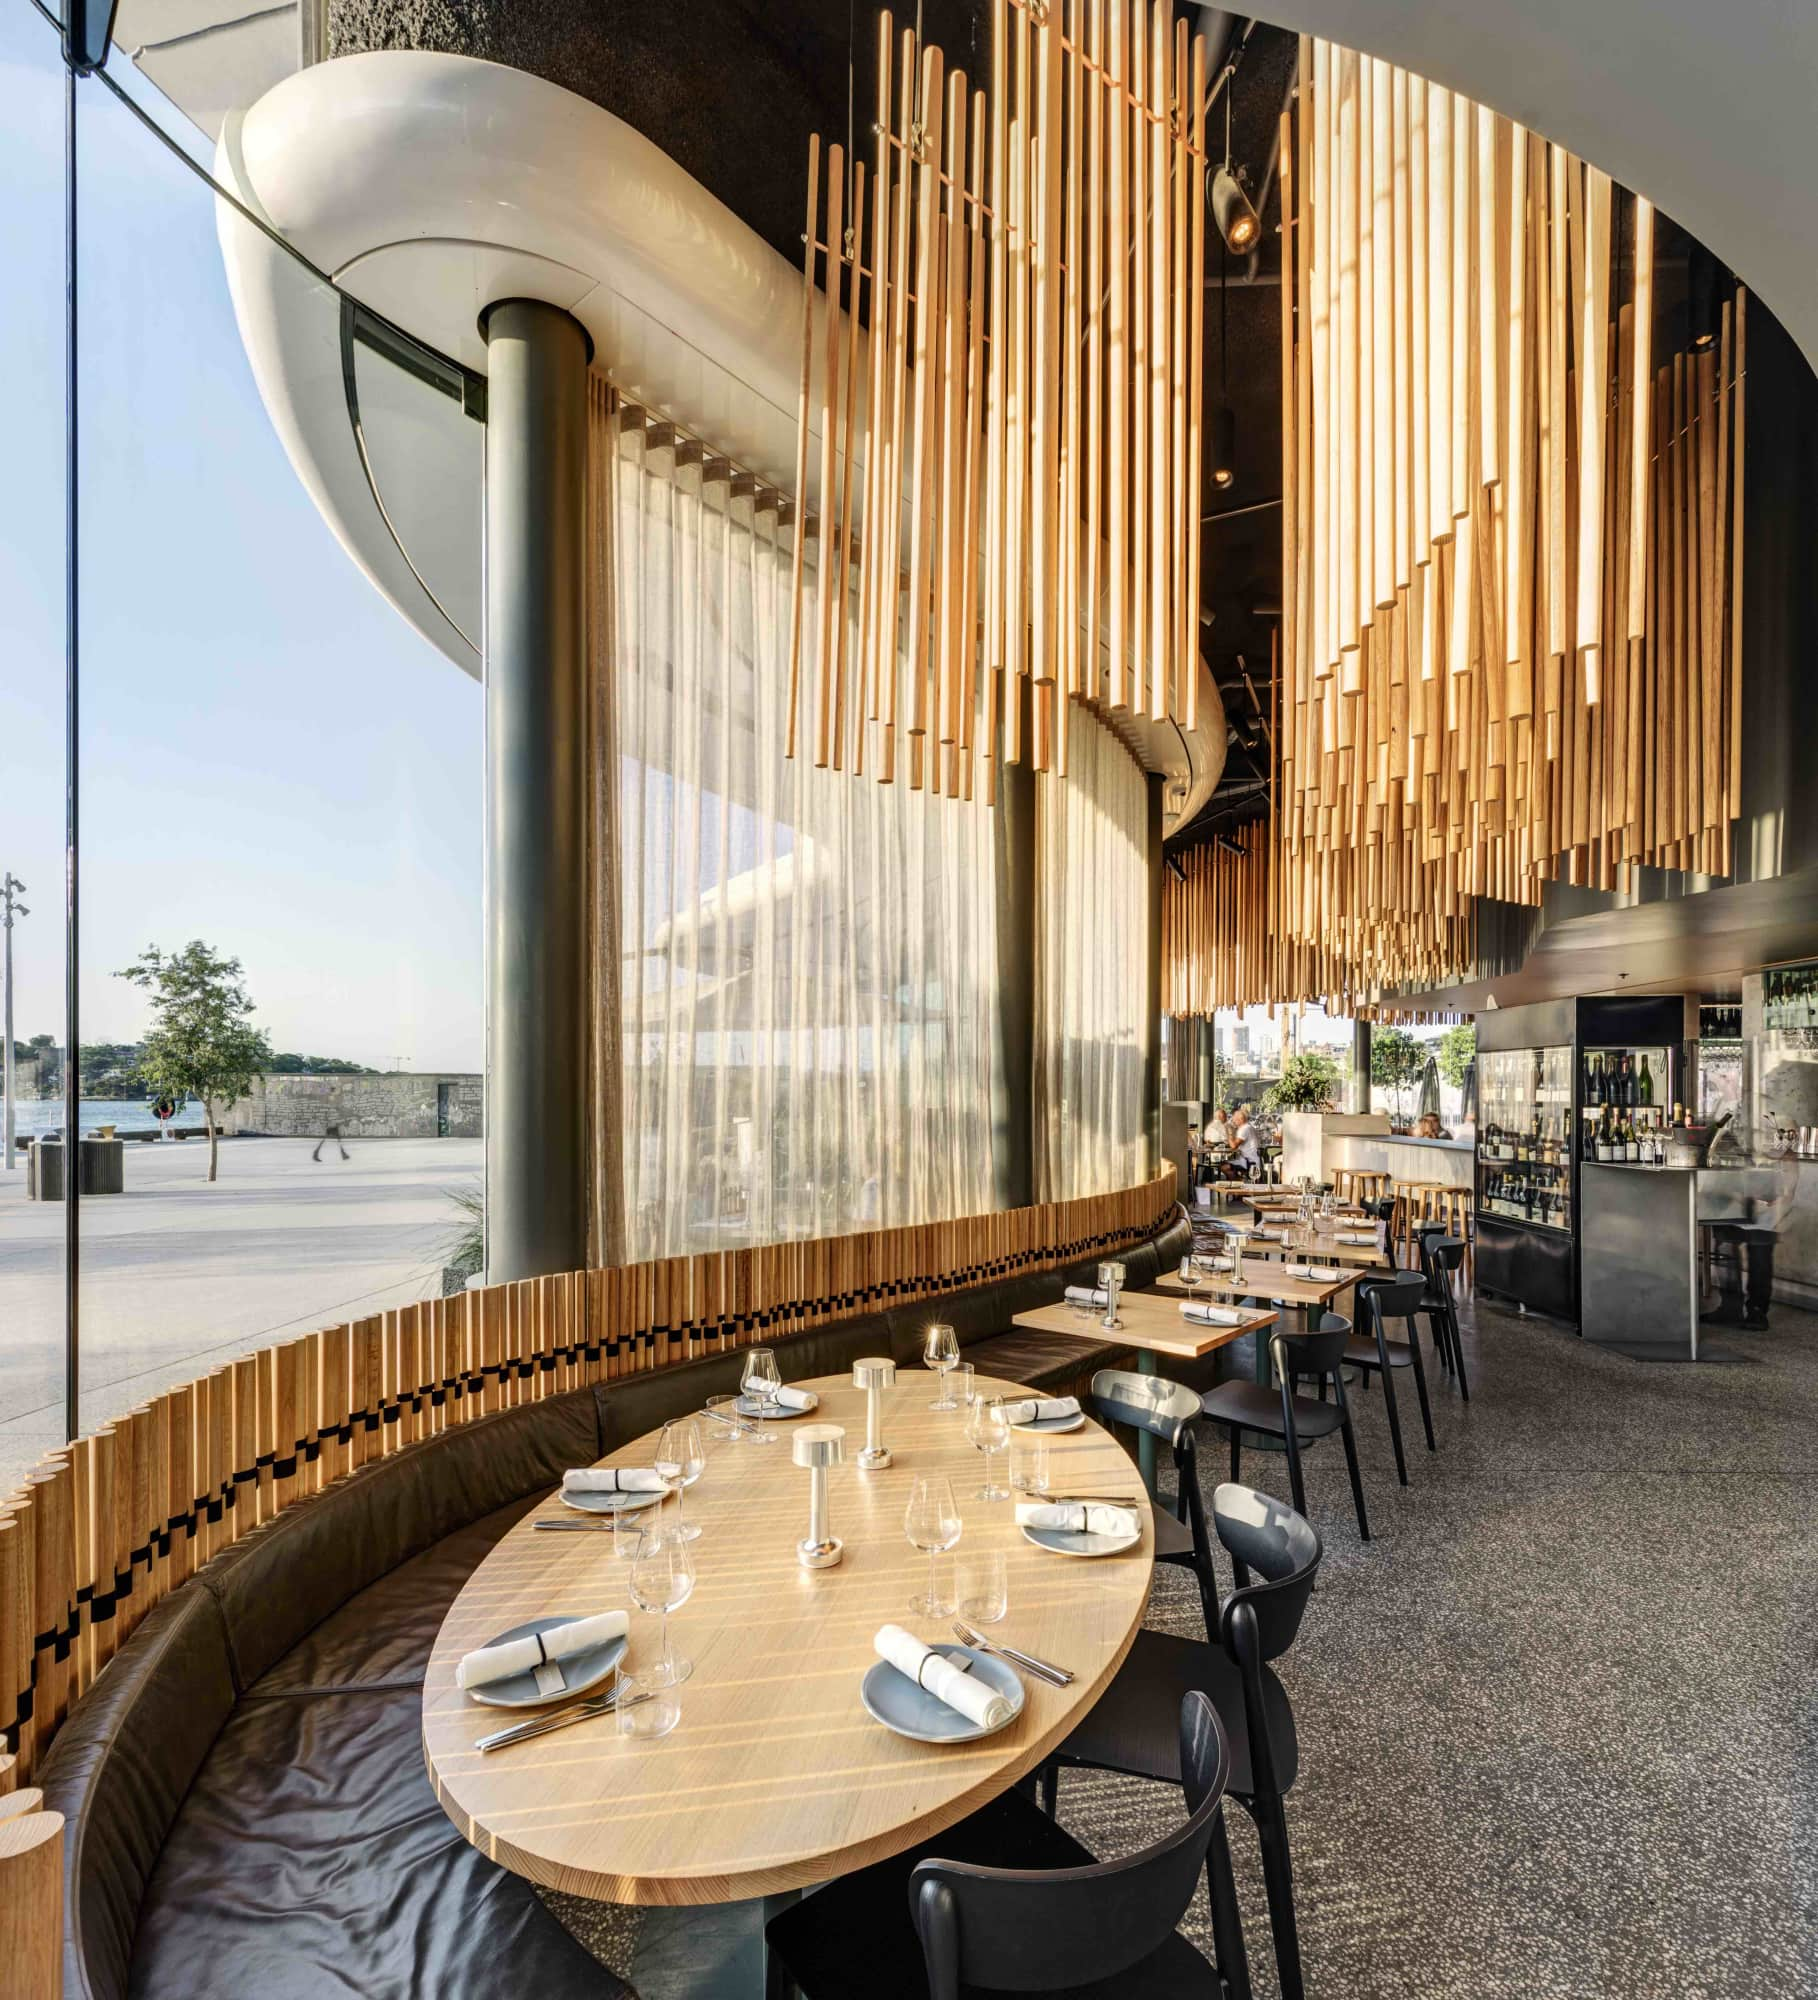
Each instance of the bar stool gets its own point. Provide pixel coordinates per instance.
(1454, 1211)
(1413, 1207)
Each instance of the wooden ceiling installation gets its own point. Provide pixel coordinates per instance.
(1009, 463)
(1511, 538)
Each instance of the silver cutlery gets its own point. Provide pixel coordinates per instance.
(731, 1423)
(1047, 1493)
(579, 1711)
(1043, 1669)
(575, 1527)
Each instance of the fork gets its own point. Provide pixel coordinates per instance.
(579, 1711)
(1054, 1676)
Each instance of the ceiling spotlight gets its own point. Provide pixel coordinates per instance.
(1233, 212)
(1224, 446)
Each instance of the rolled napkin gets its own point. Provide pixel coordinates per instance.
(614, 1479)
(1040, 1409)
(788, 1398)
(1212, 1315)
(523, 1656)
(1084, 1295)
(1079, 1517)
(1213, 1263)
(1367, 1236)
(978, 1701)
(1319, 1273)
(1270, 1235)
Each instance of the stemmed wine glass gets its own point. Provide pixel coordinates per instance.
(1189, 1276)
(680, 1461)
(940, 1349)
(932, 1522)
(662, 1580)
(989, 1430)
(760, 1382)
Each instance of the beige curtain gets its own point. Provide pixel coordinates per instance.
(1092, 834)
(806, 961)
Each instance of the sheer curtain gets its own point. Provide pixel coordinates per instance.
(807, 969)
(1092, 842)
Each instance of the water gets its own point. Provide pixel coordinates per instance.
(129, 1114)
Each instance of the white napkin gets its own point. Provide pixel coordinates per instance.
(1320, 1273)
(789, 1398)
(1212, 1315)
(614, 1479)
(978, 1701)
(1270, 1235)
(1213, 1263)
(1038, 1409)
(1084, 1295)
(1079, 1517)
(520, 1656)
(1367, 1236)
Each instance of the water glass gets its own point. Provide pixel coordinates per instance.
(932, 1522)
(989, 1430)
(940, 1349)
(760, 1382)
(963, 1391)
(681, 1458)
(662, 1581)
(984, 1587)
(1029, 1464)
(726, 1407)
(644, 1710)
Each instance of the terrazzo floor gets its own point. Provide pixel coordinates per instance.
(1559, 1719)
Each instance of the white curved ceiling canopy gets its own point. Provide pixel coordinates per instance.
(1707, 107)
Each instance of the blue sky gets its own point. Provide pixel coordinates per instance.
(271, 758)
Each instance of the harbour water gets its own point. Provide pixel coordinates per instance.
(45, 1114)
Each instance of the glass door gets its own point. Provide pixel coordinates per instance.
(1524, 1141)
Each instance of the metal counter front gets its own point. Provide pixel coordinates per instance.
(1638, 1256)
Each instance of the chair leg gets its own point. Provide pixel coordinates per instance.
(1050, 1786)
(1420, 1381)
(1227, 1926)
(1388, 1397)
(1464, 1386)
(1278, 1879)
(1350, 1442)
(1291, 1439)
(1237, 1453)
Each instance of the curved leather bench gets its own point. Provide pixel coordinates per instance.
(249, 1816)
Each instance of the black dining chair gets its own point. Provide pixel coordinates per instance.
(1130, 1727)
(1379, 1300)
(1318, 1355)
(1441, 1256)
(1008, 1902)
(1165, 1411)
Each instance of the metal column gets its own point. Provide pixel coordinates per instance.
(1360, 1065)
(536, 808)
(1152, 986)
(1013, 1074)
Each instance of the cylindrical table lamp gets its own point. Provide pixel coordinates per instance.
(874, 1375)
(818, 1446)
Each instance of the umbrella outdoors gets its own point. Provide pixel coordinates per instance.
(1429, 1090)
(1467, 1099)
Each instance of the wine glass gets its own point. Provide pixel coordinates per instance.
(760, 1382)
(989, 1430)
(681, 1458)
(1189, 1276)
(940, 1349)
(932, 1522)
(662, 1580)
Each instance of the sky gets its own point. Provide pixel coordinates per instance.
(272, 759)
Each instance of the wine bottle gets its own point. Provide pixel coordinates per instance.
(1594, 1080)
(1644, 1083)
(1631, 1146)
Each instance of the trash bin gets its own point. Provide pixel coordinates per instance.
(44, 1171)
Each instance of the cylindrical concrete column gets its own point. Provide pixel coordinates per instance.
(1013, 1074)
(1152, 989)
(1360, 1065)
(536, 806)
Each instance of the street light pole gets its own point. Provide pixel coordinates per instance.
(10, 907)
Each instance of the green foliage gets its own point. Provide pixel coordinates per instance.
(1308, 1082)
(201, 1043)
(465, 1250)
(111, 1069)
(1396, 1061)
(286, 1064)
(1457, 1051)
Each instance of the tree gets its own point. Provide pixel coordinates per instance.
(1457, 1051)
(1396, 1061)
(201, 1042)
(1308, 1082)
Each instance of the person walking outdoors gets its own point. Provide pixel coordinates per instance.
(333, 1132)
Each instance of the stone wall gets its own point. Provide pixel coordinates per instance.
(406, 1105)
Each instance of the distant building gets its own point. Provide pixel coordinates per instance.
(405, 1104)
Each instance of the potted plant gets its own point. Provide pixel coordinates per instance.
(1308, 1082)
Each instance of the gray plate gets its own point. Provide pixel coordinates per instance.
(892, 1698)
(1070, 1542)
(748, 1407)
(610, 1503)
(580, 1671)
(1042, 1426)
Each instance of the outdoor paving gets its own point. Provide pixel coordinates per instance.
(178, 1275)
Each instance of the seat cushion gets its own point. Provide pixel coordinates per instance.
(857, 1936)
(1135, 1724)
(311, 1861)
(1259, 1409)
(1062, 1362)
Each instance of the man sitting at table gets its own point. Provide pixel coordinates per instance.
(1244, 1160)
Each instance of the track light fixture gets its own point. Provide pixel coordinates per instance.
(1233, 211)
(1224, 447)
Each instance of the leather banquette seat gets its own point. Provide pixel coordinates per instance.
(249, 1817)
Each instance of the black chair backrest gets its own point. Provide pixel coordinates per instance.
(1028, 1930)
(1444, 1253)
(1312, 1353)
(1269, 1537)
(1382, 1209)
(1144, 1402)
(1394, 1298)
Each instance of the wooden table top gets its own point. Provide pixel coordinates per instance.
(1260, 1280)
(1151, 1322)
(776, 1778)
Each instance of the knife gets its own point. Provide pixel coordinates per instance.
(580, 1711)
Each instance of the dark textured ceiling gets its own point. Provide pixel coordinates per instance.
(731, 89)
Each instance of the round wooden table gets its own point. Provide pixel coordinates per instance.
(776, 1778)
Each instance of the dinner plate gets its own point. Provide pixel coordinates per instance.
(609, 1503)
(749, 1406)
(1044, 1426)
(1071, 1542)
(580, 1671)
(892, 1698)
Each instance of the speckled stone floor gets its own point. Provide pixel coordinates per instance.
(1559, 1719)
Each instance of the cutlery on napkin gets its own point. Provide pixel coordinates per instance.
(1078, 1517)
(1366, 1236)
(524, 1656)
(1040, 1409)
(1319, 1273)
(935, 1674)
(1084, 1295)
(614, 1479)
(1212, 1315)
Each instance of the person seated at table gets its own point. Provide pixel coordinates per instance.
(1245, 1157)
(1217, 1135)
(1429, 1127)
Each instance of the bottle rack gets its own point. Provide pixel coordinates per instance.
(1524, 1136)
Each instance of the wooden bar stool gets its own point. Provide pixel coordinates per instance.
(1360, 1184)
(1413, 1201)
(1453, 1209)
